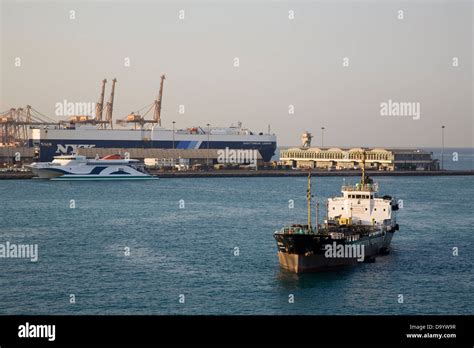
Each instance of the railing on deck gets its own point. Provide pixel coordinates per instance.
(359, 187)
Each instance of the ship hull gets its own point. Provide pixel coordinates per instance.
(54, 142)
(307, 253)
(44, 173)
(311, 263)
(101, 178)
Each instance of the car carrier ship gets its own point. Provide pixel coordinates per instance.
(358, 227)
(55, 140)
(82, 131)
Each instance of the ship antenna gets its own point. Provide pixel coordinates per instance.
(309, 199)
(317, 216)
(362, 181)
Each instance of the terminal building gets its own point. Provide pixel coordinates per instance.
(336, 158)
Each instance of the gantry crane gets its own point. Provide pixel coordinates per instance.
(15, 122)
(97, 120)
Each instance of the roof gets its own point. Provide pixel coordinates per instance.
(358, 149)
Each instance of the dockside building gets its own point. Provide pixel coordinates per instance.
(336, 158)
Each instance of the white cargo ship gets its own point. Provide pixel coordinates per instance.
(57, 140)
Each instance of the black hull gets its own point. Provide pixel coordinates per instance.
(301, 253)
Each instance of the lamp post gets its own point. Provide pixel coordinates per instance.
(322, 136)
(208, 133)
(442, 147)
(173, 133)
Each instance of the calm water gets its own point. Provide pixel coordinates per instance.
(190, 251)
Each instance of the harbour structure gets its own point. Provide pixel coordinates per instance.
(335, 158)
(359, 226)
(161, 157)
(135, 131)
(15, 125)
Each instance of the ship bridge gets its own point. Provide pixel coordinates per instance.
(360, 187)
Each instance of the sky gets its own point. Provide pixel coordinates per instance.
(333, 63)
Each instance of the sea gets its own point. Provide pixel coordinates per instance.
(205, 246)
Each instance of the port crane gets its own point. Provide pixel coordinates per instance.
(138, 120)
(99, 109)
(14, 124)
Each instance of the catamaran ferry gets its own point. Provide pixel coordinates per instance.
(76, 167)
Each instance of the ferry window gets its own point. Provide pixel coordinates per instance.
(365, 208)
(375, 209)
(384, 209)
(342, 208)
(371, 196)
(357, 196)
(333, 208)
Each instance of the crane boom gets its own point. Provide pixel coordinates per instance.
(110, 105)
(100, 105)
(158, 101)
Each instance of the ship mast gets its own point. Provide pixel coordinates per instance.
(317, 216)
(362, 181)
(309, 199)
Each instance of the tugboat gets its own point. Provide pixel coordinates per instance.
(359, 226)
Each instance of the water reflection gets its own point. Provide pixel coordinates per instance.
(293, 281)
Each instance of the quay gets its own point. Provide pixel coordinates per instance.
(247, 173)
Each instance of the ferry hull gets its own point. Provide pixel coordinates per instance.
(101, 178)
(44, 173)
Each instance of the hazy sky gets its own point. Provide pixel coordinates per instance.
(282, 62)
